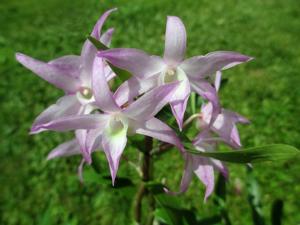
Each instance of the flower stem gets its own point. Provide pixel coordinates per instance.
(147, 175)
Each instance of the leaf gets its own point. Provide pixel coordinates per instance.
(122, 74)
(97, 43)
(251, 155)
(254, 198)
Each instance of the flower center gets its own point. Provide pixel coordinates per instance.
(172, 74)
(86, 92)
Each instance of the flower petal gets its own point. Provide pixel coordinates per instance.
(208, 92)
(107, 36)
(51, 73)
(151, 103)
(134, 61)
(94, 140)
(218, 79)
(179, 101)
(175, 43)
(66, 149)
(221, 167)
(96, 33)
(202, 66)
(88, 52)
(133, 88)
(158, 130)
(103, 96)
(65, 106)
(76, 122)
(205, 172)
(69, 63)
(81, 139)
(113, 146)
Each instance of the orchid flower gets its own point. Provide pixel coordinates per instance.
(201, 166)
(109, 130)
(151, 71)
(73, 75)
(225, 123)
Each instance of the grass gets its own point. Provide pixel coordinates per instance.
(266, 90)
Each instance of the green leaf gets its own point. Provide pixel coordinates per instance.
(97, 43)
(254, 198)
(251, 155)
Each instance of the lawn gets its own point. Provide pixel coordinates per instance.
(266, 90)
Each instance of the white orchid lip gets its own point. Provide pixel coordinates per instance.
(171, 74)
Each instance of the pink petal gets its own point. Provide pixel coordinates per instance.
(54, 74)
(202, 66)
(205, 172)
(88, 52)
(65, 106)
(158, 130)
(179, 101)
(69, 63)
(135, 61)
(103, 96)
(66, 149)
(133, 88)
(81, 139)
(209, 93)
(221, 167)
(151, 103)
(96, 33)
(94, 140)
(175, 43)
(107, 36)
(113, 146)
(76, 122)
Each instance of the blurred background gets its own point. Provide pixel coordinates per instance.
(266, 90)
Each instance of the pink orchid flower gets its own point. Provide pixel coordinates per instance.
(73, 75)
(202, 167)
(152, 71)
(108, 130)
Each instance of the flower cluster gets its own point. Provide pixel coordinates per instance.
(102, 119)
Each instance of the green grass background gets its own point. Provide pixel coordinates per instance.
(266, 90)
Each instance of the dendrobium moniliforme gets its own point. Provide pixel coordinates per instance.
(195, 73)
(103, 120)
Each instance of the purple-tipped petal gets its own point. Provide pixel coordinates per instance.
(107, 36)
(158, 130)
(135, 61)
(81, 136)
(205, 172)
(96, 33)
(151, 103)
(66, 149)
(221, 167)
(66, 106)
(103, 96)
(76, 122)
(202, 66)
(113, 146)
(204, 89)
(89, 51)
(51, 73)
(179, 101)
(133, 88)
(69, 63)
(175, 43)
(94, 140)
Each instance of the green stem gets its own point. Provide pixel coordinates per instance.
(147, 175)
